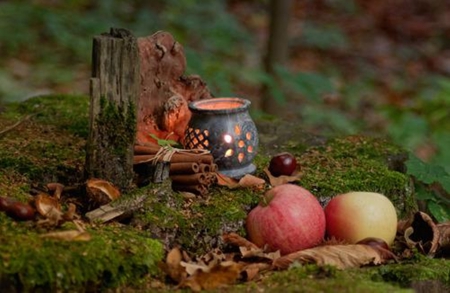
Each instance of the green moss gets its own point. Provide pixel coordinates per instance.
(420, 268)
(196, 224)
(121, 121)
(66, 112)
(356, 164)
(49, 145)
(114, 256)
(311, 278)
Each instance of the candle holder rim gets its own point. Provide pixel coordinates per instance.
(195, 105)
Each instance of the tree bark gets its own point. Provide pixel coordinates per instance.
(114, 98)
(277, 51)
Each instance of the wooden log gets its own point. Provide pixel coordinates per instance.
(114, 89)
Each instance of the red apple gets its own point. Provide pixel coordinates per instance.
(282, 164)
(354, 216)
(289, 218)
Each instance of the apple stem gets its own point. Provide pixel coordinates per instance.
(267, 198)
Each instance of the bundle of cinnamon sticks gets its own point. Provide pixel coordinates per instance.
(190, 170)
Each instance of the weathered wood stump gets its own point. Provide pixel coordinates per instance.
(165, 90)
(138, 93)
(114, 96)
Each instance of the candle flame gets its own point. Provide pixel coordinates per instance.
(227, 138)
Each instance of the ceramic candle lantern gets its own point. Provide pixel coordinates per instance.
(224, 127)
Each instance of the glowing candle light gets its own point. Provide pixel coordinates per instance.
(227, 138)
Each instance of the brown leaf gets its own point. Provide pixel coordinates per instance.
(340, 256)
(70, 235)
(250, 271)
(46, 204)
(248, 181)
(252, 181)
(444, 240)
(224, 180)
(237, 240)
(283, 179)
(422, 234)
(258, 253)
(57, 189)
(220, 275)
(101, 192)
(173, 265)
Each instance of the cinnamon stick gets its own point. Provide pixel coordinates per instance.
(184, 168)
(199, 178)
(205, 168)
(197, 189)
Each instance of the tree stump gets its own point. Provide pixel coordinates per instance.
(165, 91)
(114, 89)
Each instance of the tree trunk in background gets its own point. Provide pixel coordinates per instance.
(277, 50)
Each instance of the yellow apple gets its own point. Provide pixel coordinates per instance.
(354, 216)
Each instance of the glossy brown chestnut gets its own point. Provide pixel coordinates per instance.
(374, 242)
(5, 203)
(282, 164)
(21, 211)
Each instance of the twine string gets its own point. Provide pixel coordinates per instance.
(166, 153)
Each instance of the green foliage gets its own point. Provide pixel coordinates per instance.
(319, 36)
(57, 38)
(429, 178)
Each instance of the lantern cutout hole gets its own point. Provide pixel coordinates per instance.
(229, 153)
(237, 130)
(241, 157)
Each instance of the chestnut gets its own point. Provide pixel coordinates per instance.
(374, 242)
(6, 202)
(282, 164)
(21, 211)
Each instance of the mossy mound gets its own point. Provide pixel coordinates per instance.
(358, 163)
(115, 255)
(49, 146)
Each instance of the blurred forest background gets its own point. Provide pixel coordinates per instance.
(351, 66)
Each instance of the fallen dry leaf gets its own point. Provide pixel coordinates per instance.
(422, 233)
(220, 275)
(248, 181)
(339, 256)
(237, 240)
(283, 179)
(173, 266)
(259, 253)
(224, 180)
(46, 204)
(252, 182)
(252, 270)
(70, 235)
(101, 192)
